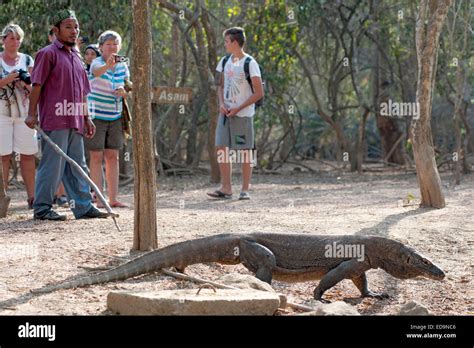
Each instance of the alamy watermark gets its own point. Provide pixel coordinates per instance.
(70, 109)
(237, 156)
(398, 109)
(336, 250)
(28, 330)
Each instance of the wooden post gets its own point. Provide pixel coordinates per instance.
(144, 162)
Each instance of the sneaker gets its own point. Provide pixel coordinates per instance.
(50, 215)
(62, 201)
(94, 213)
(244, 195)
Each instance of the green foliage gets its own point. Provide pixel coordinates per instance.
(34, 18)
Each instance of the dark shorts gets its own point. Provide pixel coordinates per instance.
(108, 135)
(235, 132)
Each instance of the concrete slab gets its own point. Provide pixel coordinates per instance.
(187, 302)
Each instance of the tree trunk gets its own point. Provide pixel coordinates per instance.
(145, 227)
(213, 109)
(360, 144)
(469, 143)
(289, 141)
(427, 43)
(173, 120)
(460, 153)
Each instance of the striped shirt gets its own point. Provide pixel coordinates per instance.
(102, 102)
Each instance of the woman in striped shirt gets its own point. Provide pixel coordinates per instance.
(107, 79)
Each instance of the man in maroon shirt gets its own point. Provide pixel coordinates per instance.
(60, 86)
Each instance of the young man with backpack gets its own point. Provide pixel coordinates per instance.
(240, 88)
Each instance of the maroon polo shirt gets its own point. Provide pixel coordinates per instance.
(64, 85)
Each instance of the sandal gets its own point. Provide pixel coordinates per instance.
(220, 195)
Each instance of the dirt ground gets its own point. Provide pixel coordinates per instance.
(34, 253)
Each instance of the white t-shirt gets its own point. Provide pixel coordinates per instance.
(21, 64)
(236, 87)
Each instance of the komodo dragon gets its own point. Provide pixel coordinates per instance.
(285, 257)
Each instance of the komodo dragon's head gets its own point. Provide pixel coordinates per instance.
(404, 262)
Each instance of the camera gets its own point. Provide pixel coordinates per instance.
(120, 59)
(24, 76)
(84, 39)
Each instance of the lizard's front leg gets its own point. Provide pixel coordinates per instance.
(258, 258)
(361, 283)
(345, 270)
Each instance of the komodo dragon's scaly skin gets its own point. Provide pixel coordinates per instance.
(286, 257)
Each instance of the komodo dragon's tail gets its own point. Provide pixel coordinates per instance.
(208, 249)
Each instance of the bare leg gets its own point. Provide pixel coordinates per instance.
(246, 171)
(96, 158)
(61, 191)
(112, 174)
(6, 169)
(28, 168)
(225, 167)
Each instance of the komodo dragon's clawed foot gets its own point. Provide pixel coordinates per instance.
(377, 295)
(178, 269)
(318, 296)
(322, 300)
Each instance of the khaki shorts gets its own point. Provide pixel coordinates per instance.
(108, 135)
(235, 132)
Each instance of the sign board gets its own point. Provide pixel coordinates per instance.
(172, 95)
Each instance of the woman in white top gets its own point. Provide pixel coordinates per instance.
(15, 136)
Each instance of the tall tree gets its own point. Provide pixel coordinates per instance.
(429, 23)
(144, 161)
